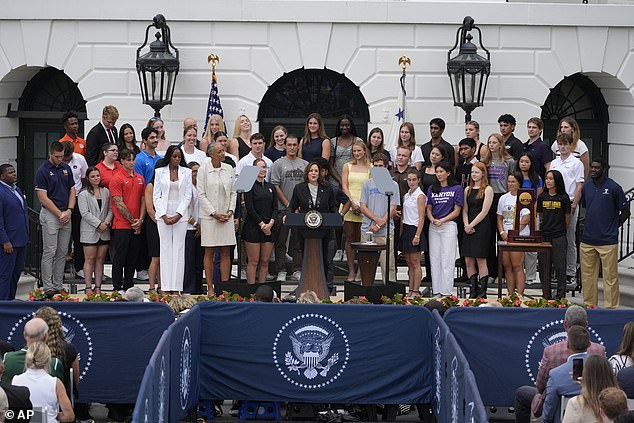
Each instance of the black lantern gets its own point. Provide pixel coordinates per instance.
(468, 71)
(158, 68)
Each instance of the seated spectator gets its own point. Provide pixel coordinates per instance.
(18, 396)
(35, 330)
(5, 347)
(181, 304)
(47, 392)
(134, 295)
(560, 383)
(531, 398)
(596, 377)
(432, 305)
(612, 403)
(264, 294)
(623, 357)
(626, 381)
(308, 297)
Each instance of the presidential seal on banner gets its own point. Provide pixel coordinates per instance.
(185, 367)
(311, 351)
(313, 219)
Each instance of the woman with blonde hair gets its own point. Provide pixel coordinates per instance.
(578, 148)
(624, 357)
(597, 376)
(308, 297)
(315, 143)
(214, 124)
(407, 139)
(475, 216)
(46, 391)
(240, 144)
(354, 174)
(158, 124)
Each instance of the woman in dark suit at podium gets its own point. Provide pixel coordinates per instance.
(314, 194)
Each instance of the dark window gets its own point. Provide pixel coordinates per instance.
(577, 96)
(303, 91)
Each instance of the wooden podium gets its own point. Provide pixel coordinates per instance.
(313, 272)
(368, 254)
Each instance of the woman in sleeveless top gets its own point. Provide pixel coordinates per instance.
(407, 139)
(240, 144)
(315, 142)
(277, 144)
(412, 238)
(355, 173)
(345, 136)
(475, 216)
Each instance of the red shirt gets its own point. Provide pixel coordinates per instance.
(107, 173)
(131, 189)
(79, 143)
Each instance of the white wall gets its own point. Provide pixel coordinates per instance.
(533, 46)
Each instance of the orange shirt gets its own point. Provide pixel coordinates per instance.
(79, 143)
(131, 188)
(107, 174)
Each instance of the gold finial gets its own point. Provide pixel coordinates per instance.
(404, 61)
(214, 60)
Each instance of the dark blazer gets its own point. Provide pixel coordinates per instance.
(94, 140)
(14, 218)
(300, 201)
(18, 398)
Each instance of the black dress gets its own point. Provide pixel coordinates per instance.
(477, 243)
(261, 205)
(243, 148)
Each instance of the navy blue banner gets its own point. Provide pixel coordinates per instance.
(145, 407)
(475, 411)
(184, 338)
(316, 352)
(504, 345)
(114, 342)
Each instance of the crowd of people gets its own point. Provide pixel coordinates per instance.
(166, 210)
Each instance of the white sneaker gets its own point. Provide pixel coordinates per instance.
(281, 277)
(142, 275)
(80, 274)
(297, 275)
(344, 256)
(243, 275)
(338, 255)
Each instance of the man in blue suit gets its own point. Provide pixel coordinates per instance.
(14, 231)
(560, 381)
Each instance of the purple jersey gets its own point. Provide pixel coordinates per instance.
(443, 202)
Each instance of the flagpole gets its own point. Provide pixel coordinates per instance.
(213, 105)
(404, 61)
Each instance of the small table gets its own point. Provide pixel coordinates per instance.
(368, 254)
(526, 247)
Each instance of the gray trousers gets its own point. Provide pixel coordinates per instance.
(55, 239)
(571, 252)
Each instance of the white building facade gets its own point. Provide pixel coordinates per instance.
(534, 47)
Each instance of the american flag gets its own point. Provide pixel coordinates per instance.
(213, 105)
(397, 119)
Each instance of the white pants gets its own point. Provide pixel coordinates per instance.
(443, 241)
(571, 253)
(172, 253)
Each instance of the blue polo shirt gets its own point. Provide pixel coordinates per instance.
(144, 165)
(603, 203)
(56, 181)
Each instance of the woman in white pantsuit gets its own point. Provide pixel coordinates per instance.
(444, 202)
(172, 195)
(216, 204)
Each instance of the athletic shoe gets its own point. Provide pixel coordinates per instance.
(281, 277)
(142, 275)
(297, 275)
(338, 256)
(80, 274)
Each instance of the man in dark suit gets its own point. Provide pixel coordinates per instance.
(17, 396)
(102, 133)
(14, 231)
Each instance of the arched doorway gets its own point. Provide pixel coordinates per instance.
(45, 99)
(577, 96)
(303, 91)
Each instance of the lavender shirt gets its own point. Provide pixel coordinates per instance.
(442, 203)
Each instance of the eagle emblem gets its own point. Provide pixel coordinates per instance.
(311, 346)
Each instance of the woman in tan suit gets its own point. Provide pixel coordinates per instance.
(217, 202)
(94, 231)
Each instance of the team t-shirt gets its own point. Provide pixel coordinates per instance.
(443, 202)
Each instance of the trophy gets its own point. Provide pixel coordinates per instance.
(525, 200)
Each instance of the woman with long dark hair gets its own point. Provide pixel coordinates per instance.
(412, 238)
(96, 217)
(127, 138)
(341, 151)
(624, 357)
(376, 144)
(172, 195)
(315, 143)
(553, 211)
(530, 177)
(444, 202)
